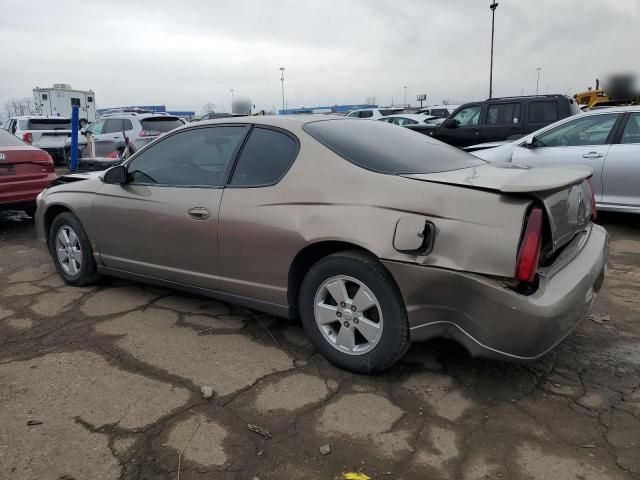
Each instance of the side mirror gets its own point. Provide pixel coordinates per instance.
(115, 175)
(530, 142)
(450, 123)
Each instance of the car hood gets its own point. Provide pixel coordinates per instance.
(75, 177)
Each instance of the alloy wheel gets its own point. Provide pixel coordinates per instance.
(348, 314)
(68, 250)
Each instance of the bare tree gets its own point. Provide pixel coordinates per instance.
(15, 107)
(208, 108)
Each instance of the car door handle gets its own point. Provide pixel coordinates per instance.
(592, 155)
(198, 213)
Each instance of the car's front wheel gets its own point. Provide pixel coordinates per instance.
(353, 312)
(71, 250)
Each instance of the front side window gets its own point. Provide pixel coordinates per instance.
(591, 130)
(265, 158)
(96, 128)
(468, 116)
(195, 157)
(543, 112)
(631, 132)
(503, 114)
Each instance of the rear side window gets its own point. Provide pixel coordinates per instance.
(127, 124)
(543, 112)
(160, 124)
(265, 158)
(503, 114)
(366, 114)
(440, 112)
(49, 124)
(385, 112)
(386, 149)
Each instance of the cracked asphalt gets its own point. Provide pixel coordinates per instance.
(104, 383)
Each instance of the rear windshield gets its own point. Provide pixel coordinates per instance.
(8, 140)
(49, 124)
(385, 148)
(161, 123)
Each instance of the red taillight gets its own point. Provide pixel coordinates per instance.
(43, 157)
(529, 251)
(27, 137)
(150, 133)
(594, 210)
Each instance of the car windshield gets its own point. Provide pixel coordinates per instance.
(49, 124)
(161, 123)
(385, 148)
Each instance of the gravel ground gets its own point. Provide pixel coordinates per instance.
(105, 383)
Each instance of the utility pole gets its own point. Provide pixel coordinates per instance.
(405, 96)
(282, 80)
(538, 79)
(492, 7)
(231, 100)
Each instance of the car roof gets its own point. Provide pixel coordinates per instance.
(613, 109)
(274, 120)
(414, 116)
(40, 117)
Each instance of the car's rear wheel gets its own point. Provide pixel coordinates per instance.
(71, 251)
(353, 312)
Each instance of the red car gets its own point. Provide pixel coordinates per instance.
(24, 172)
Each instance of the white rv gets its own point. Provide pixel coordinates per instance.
(57, 101)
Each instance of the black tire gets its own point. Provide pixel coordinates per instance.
(394, 339)
(87, 273)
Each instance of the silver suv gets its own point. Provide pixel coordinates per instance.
(110, 130)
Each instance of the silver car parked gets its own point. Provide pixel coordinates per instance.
(374, 236)
(607, 140)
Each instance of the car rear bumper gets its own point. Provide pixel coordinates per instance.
(493, 321)
(23, 192)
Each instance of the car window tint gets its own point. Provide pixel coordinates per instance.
(503, 114)
(387, 111)
(127, 124)
(265, 158)
(439, 112)
(195, 157)
(366, 114)
(113, 125)
(469, 115)
(543, 112)
(590, 130)
(631, 132)
(160, 124)
(386, 149)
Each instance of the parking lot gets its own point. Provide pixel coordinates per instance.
(105, 382)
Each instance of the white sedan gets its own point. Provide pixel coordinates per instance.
(419, 122)
(607, 140)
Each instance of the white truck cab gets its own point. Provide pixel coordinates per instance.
(58, 100)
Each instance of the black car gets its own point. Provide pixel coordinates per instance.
(501, 119)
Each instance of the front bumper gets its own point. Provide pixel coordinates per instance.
(493, 321)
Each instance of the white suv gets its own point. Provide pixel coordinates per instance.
(374, 113)
(109, 131)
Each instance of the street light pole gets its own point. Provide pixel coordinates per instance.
(493, 7)
(538, 79)
(405, 96)
(282, 80)
(231, 100)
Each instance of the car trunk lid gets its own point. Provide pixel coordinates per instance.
(48, 132)
(564, 192)
(20, 165)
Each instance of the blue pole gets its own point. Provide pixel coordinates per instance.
(74, 138)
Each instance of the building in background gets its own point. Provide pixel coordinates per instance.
(329, 109)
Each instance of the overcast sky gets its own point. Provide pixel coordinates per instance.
(187, 53)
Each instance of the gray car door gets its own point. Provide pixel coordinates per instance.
(621, 173)
(110, 137)
(584, 140)
(163, 222)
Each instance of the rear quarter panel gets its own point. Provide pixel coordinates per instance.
(323, 197)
